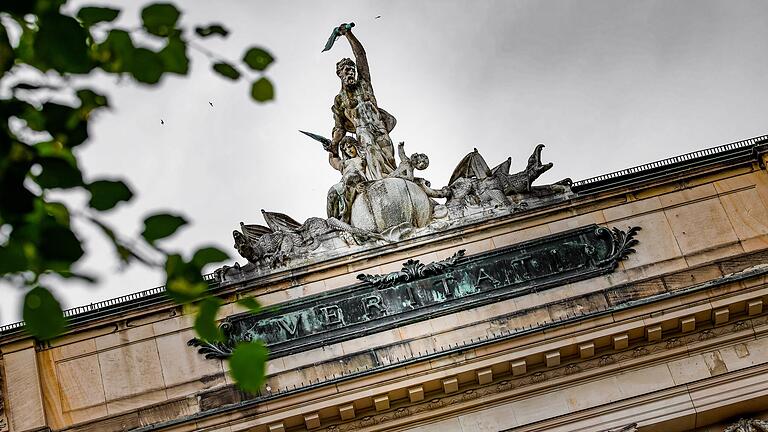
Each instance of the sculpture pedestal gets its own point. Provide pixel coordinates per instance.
(391, 203)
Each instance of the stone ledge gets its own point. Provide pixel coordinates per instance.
(600, 360)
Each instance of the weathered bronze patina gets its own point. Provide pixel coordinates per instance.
(419, 291)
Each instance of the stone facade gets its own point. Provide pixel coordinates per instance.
(673, 337)
(3, 419)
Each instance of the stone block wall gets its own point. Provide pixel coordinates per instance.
(137, 370)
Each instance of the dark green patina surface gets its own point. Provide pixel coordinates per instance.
(422, 291)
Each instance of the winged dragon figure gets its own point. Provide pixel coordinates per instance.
(284, 238)
(474, 183)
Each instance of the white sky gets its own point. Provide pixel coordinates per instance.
(604, 84)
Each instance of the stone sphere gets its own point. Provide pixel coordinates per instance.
(389, 203)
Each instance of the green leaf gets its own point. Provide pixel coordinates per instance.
(90, 100)
(146, 66)
(183, 289)
(19, 7)
(205, 321)
(91, 15)
(25, 50)
(47, 6)
(58, 173)
(213, 29)
(115, 52)
(227, 70)
(174, 56)
(57, 117)
(35, 120)
(12, 258)
(258, 58)
(55, 149)
(59, 245)
(160, 18)
(208, 255)
(58, 211)
(160, 226)
(15, 198)
(248, 364)
(61, 44)
(124, 254)
(6, 52)
(183, 282)
(251, 304)
(262, 90)
(106, 194)
(63, 123)
(43, 317)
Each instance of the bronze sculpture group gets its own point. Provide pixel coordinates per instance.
(378, 199)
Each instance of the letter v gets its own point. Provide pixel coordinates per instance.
(290, 324)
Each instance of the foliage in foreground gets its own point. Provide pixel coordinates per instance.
(42, 48)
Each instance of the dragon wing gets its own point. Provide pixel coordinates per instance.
(472, 165)
(280, 222)
(502, 167)
(254, 232)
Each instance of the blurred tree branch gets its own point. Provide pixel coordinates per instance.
(38, 138)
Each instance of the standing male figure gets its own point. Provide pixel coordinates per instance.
(355, 110)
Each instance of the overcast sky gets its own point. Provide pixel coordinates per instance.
(604, 84)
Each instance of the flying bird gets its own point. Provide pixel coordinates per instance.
(377, 16)
(210, 103)
(161, 121)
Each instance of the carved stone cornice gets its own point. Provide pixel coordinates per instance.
(481, 395)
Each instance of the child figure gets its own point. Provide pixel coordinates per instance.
(417, 161)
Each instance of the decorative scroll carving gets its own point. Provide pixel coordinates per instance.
(418, 291)
(413, 270)
(748, 425)
(623, 243)
(220, 350)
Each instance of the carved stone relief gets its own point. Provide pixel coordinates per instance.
(748, 425)
(420, 290)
